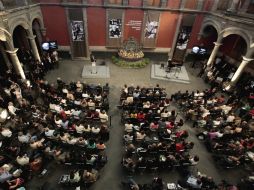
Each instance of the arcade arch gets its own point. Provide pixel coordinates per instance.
(242, 44)
(24, 39)
(6, 45)
(36, 27)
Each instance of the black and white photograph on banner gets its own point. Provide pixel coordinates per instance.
(115, 26)
(77, 30)
(183, 38)
(151, 29)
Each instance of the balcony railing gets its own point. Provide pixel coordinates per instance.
(10, 4)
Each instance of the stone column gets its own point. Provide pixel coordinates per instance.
(214, 53)
(240, 69)
(34, 47)
(15, 61)
(5, 57)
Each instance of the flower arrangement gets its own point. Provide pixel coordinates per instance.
(130, 64)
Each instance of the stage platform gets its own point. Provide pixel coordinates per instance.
(175, 75)
(102, 72)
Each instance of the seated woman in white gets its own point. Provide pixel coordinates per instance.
(128, 127)
(79, 128)
(140, 135)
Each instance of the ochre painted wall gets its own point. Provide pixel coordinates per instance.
(96, 24)
(167, 29)
(133, 15)
(56, 24)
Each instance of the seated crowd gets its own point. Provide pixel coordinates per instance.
(63, 123)
(226, 133)
(153, 136)
(221, 72)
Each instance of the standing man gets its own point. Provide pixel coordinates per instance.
(93, 61)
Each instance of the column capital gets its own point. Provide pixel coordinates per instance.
(14, 51)
(217, 43)
(31, 37)
(247, 59)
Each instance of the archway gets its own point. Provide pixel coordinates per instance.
(21, 42)
(36, 27)
(234, 46)
(209, 35)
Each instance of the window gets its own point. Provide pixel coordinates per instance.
(119, 2)
(223, 4)
(155, 3)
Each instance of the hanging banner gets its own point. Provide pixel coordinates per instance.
(115, 28)
(133, 24)
(77, 29)
(152, 24)
(151, 29)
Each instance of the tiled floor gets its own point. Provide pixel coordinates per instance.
(98, 71)
(112, 173)
(176, 74)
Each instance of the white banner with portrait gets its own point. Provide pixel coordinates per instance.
(77, 29)
(115, 28)
(151, 29)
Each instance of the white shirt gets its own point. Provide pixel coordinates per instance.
(73, 141)
(24, 160)
(49, 133)
(6, 132)
(79, 128)
(128, 127)
(103, 117)
(230, 119)
(97, 98)
(95, 130)
(12, 109)
(76, 113)
(24, 138)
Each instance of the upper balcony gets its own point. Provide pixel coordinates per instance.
(12, 4)
(241, 8)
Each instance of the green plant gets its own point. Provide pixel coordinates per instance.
(136, 64)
